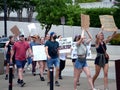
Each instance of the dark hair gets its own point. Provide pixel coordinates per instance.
(10, 36)
(77, 36)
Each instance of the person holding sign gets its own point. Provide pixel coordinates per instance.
(101, 61)
(52, 52)
(36, 42)
(62, 57)
(80, 63)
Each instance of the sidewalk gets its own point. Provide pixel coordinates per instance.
(34, 83)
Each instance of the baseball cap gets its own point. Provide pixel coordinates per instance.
(21, 35)
(52, 33)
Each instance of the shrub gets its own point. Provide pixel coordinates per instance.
(115, 40)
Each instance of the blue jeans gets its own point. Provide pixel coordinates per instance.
(51, 62)
(80, 64)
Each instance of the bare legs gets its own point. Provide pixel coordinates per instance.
(42, 67)
(76, 77)
(105, 70)
(77, 73)
(97, 71)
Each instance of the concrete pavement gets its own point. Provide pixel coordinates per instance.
(34, 83)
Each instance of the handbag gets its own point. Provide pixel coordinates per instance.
(106, 54)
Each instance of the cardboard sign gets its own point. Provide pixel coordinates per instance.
(15, 30)
(85, 21)
(108, 23)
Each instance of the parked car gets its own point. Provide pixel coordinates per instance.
(2, 45)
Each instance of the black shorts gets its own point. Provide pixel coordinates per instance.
(73, 60)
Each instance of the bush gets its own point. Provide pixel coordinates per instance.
(115, 40)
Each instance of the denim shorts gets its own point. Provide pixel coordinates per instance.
(80, 64)
(20, 64)
(55, 62)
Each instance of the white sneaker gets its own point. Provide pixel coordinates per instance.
(95, 89)
(106, 89)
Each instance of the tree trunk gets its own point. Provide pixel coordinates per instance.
(19, 13)
(30, 12)
(8, 14)
(47, 29)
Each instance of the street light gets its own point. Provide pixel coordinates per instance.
(5, 18)
(63, 22)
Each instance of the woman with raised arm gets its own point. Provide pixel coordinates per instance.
(101, 61)
(80, 63)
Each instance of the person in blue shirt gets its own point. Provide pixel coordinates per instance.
(52, 52)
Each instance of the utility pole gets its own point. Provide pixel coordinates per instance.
(5, 18)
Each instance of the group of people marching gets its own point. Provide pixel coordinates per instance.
(17, 52)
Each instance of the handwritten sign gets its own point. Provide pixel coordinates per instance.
(85, 21)
(108, 23)
(65, 45)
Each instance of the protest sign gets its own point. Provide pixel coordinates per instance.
(65, 44)
(15, 30)
(39, 53)
(85, 21)
(32, 29)
(108, 23)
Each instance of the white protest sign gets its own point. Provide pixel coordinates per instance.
(39, 53)
(32, 28)
(65, 45)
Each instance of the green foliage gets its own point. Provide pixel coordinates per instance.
(115, 40)
(73, 15)
(84, 1)
(50, 12)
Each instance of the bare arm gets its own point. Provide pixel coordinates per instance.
(46, 51)
(11, 56)
(90, 37)
(5, 48)
(110, 37)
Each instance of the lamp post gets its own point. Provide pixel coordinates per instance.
(5, 18)
(63, 22)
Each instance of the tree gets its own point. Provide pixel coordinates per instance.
(18, 6)
(85, 1)
(49, 12)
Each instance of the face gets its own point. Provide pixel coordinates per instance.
(47, 37)
(54, 36)
(100, 36)
(21, 38)
(42, 40)
(12, 39)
